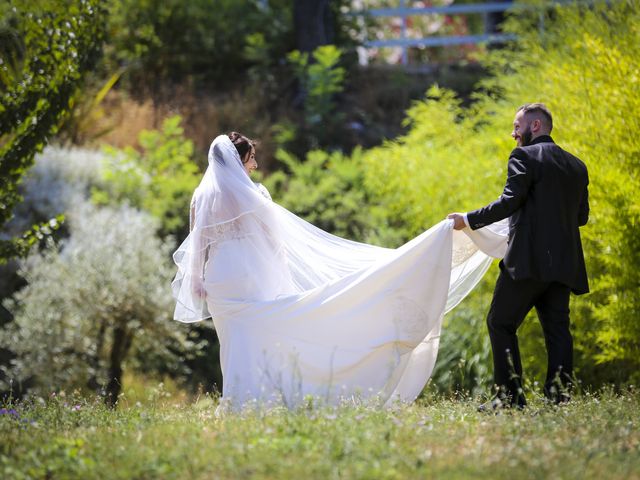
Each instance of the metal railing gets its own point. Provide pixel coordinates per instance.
(404, 12)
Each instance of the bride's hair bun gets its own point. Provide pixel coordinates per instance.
(243, 144)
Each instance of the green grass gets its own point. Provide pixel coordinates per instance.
(595, 436)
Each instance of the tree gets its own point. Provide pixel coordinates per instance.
(101, 299)
(54, 43)
(164, 42)
(313, 24)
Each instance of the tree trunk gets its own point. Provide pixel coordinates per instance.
(314, 28)
(121, 342)
(93, 383)
(313, 24)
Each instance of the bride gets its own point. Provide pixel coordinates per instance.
(299, 311)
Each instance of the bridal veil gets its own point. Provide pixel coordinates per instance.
(299, 311)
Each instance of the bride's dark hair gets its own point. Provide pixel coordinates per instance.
(243, 145)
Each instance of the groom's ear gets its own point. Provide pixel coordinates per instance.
(536, 125)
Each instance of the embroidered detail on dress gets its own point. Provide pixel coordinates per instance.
(462, 252)
(224, 231)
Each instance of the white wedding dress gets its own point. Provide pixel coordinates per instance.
(301, 312)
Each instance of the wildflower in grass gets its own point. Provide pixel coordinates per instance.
(9, 411)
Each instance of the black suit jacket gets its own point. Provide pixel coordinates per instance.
(546, 199)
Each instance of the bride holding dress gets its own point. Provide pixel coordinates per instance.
(299, 311)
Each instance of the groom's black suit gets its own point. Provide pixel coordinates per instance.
(546, 200)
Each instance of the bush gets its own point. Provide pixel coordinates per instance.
(59, 180)
(159, 180)
(98, 303)
(63, 180)
(328, 191)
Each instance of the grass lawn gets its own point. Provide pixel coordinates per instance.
(594, 437)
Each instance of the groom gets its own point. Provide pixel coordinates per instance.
(546, 200)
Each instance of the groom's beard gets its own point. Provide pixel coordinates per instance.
(525, 137)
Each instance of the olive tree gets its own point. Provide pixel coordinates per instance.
(95, 303)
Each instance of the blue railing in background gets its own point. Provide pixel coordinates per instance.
(489, 37)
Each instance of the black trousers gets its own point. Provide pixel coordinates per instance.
(512, 300)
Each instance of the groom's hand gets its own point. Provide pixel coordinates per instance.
(458, 220)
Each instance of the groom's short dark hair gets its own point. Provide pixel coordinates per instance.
(539, 109)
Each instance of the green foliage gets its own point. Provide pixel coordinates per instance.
(166, 41)
(265, 49)
(327, 190)
(83, 126)
(102, 298)
(160, 179)
(441, 164)
(321, 77)
(66, 436)
(52, 45)
(19, 247)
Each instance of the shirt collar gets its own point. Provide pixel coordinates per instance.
(542, 139)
